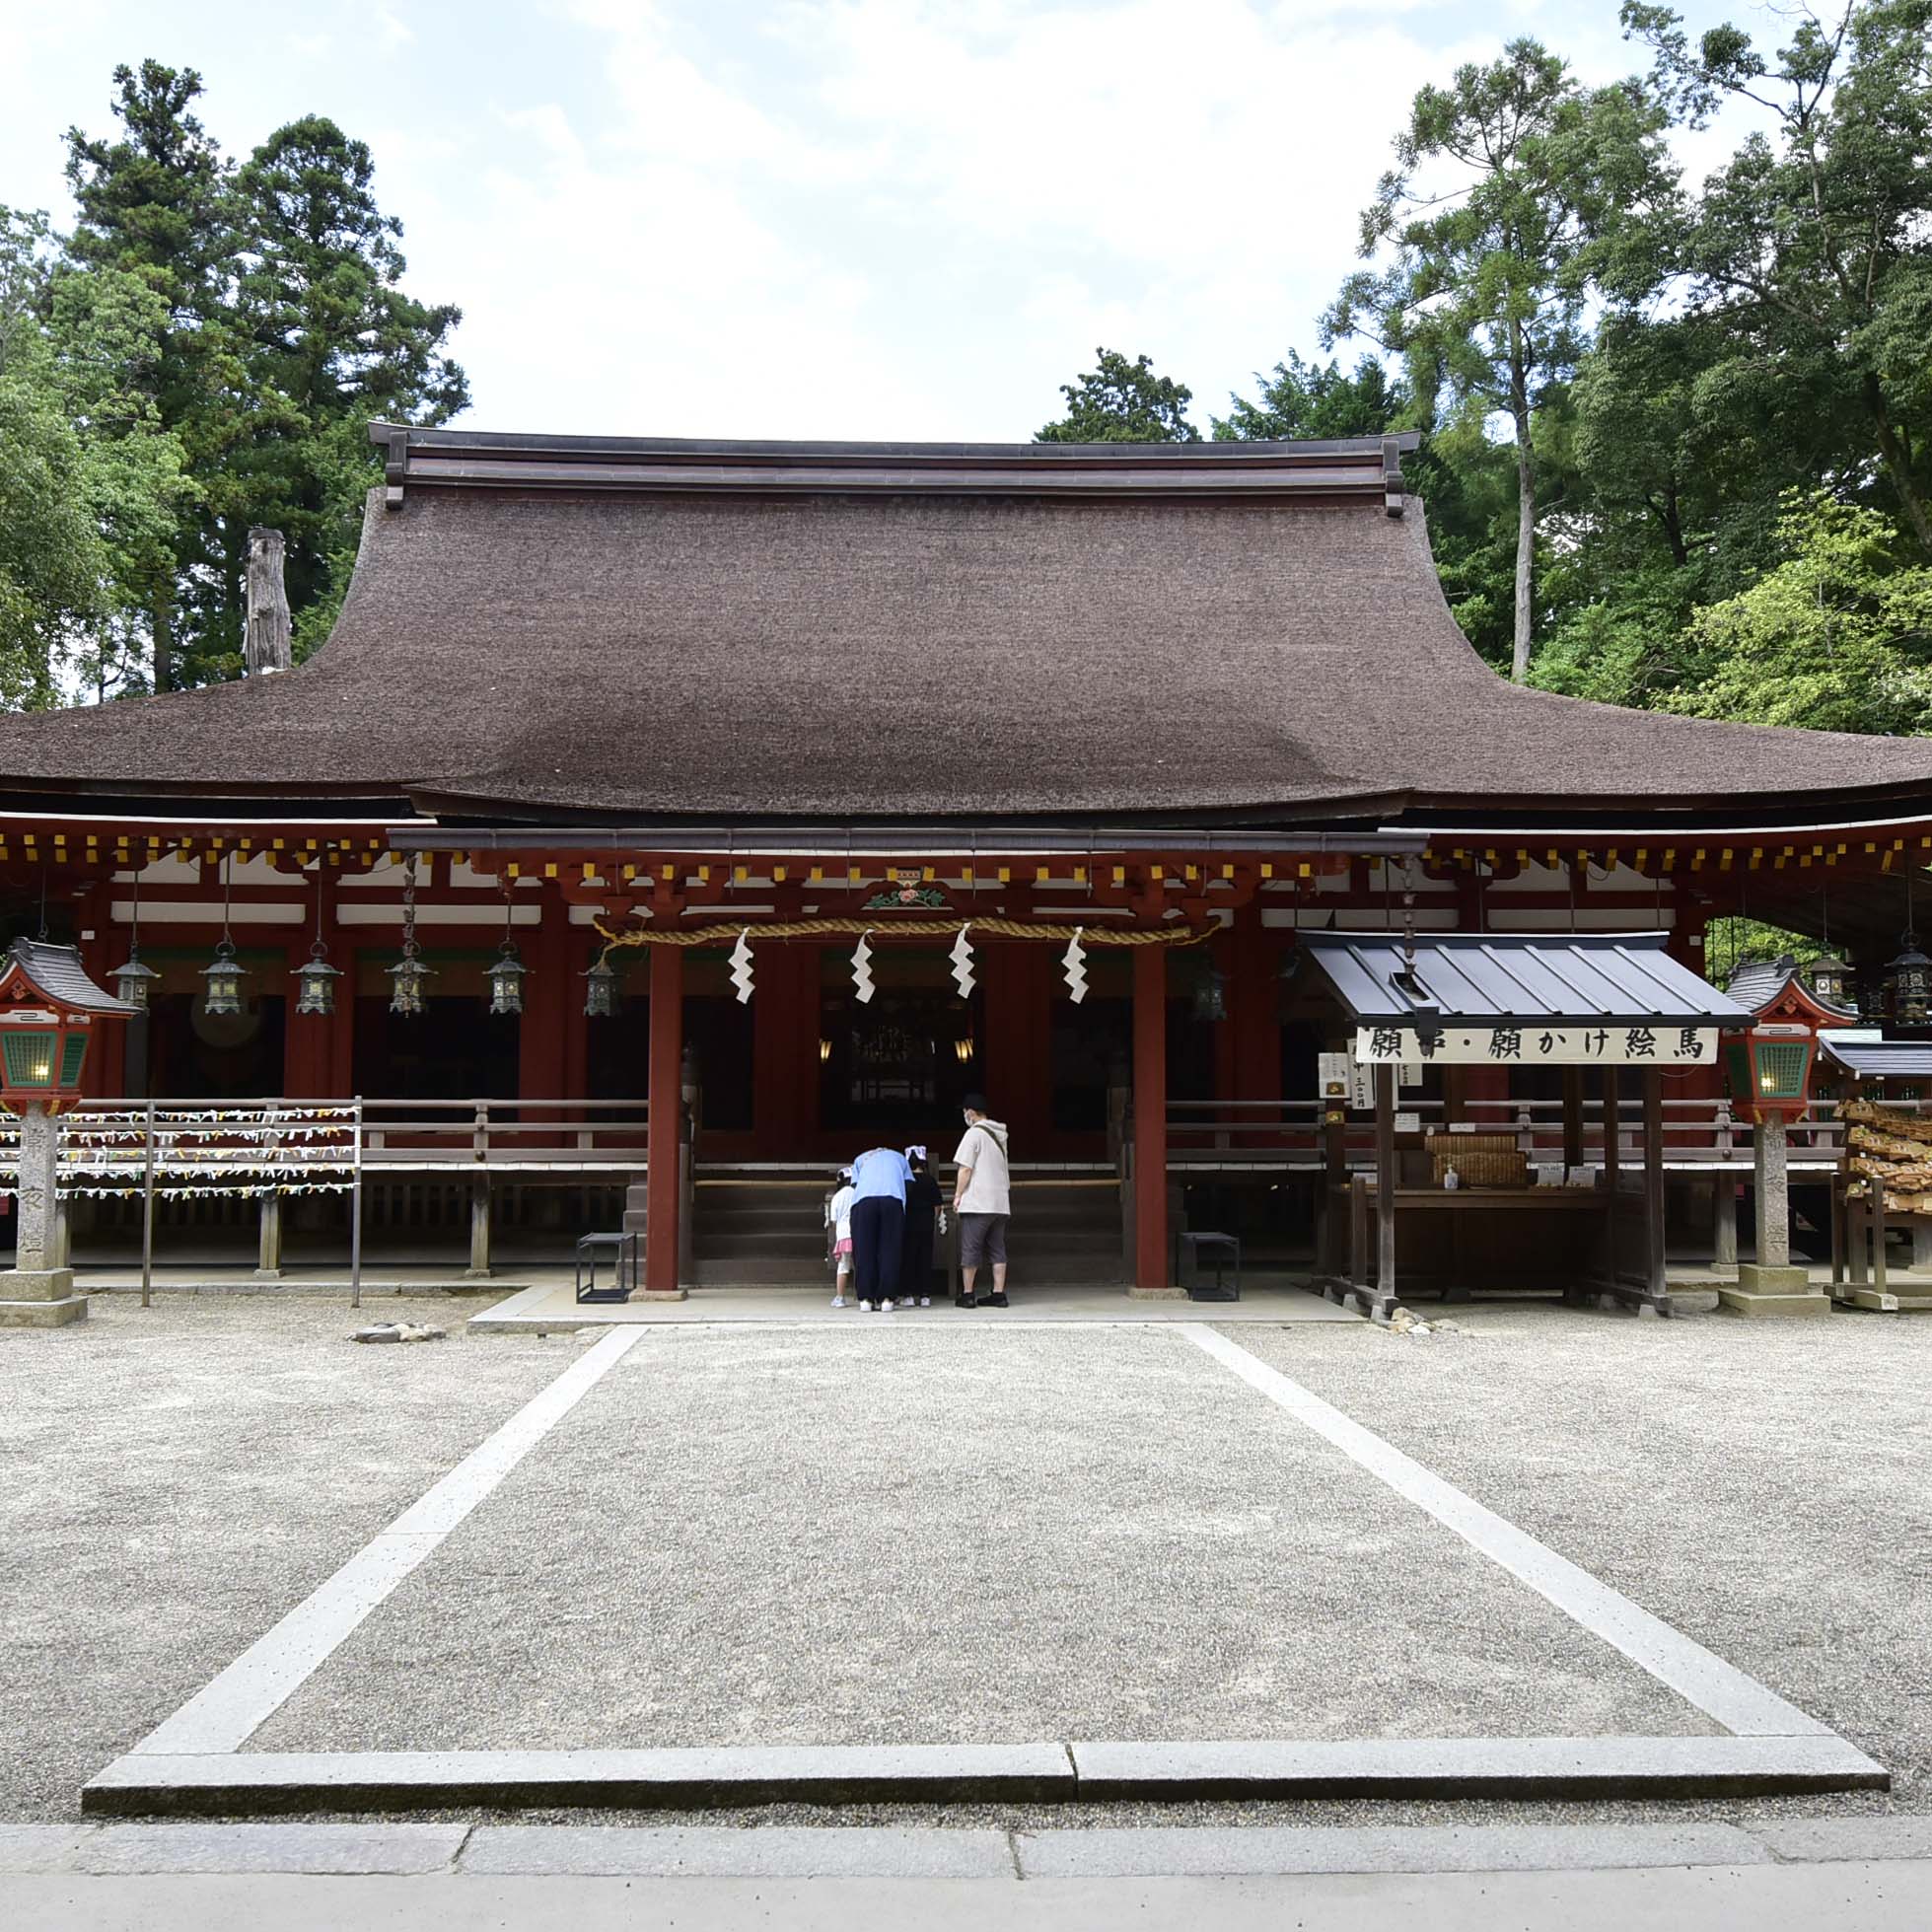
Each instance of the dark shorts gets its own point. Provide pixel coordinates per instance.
(982, 1238)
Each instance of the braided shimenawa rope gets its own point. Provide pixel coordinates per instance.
(912, 928)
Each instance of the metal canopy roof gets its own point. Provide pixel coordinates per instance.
(1880, 1060)
(1484, 977)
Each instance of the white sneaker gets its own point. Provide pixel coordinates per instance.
(838, 1301)
(865, 1308)
(925, 1301)
(885, 1307)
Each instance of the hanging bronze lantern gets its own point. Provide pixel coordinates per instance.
(506, 977)
(1830, 980)
(408, 977)
(600, 990)
(1911, 977)
(221, 981)
(315, 983)
(506, 980)
(134, 982)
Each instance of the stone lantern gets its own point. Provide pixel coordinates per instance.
(49, 1012)
(1768, 1069)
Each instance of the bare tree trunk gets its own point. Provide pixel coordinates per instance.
(162, 617)
(1897, 464)
(1525, 542)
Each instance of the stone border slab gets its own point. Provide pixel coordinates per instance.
(316, 1848)
(717, 1851)
(937, 1851)
(242, 1782)
(1820, 1841)
(1475, 1767)
(237, 1782)
(1263, 1850)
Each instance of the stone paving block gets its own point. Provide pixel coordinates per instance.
(717, 1851)
(41, 1847)
(277, 1847)
(1894, 1835)
(1260, 1850)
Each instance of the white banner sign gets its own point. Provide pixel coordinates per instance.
(1534, 1044)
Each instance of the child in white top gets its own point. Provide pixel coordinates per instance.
(839, 1235)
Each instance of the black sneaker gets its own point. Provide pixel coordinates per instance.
(996, 1301)
(964, 1300)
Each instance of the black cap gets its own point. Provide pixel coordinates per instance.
(976, 1103)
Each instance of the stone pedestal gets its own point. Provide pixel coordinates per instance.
(269, 1243)
(1724, 1222)
(480, 1268)
(39, 1292)
(1773, 1291)
(40, 1298)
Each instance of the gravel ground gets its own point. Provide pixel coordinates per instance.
(178, 1478)
(1765, 1487)
(800, 1538)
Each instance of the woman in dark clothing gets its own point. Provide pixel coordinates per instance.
(922, 1198)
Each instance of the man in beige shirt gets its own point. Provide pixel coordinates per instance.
(982, 1199)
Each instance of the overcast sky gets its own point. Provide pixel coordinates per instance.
(865, 218)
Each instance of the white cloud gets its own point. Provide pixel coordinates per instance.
(919, 217)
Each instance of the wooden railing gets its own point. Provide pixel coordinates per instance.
(1696, 1132)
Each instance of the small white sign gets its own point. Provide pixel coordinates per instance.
(1336, 1072)
(1408, 1123)
(1534, 1043)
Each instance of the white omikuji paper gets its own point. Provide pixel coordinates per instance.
(1535, 1044)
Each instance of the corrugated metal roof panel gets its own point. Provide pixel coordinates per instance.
(1477, 976)
(1880, 1060)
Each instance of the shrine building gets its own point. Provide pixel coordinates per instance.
(665, 822)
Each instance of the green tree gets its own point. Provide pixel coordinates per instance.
(1837, 637)
(90, 487)
(1317, 400)
(1123, 401)
(1505, 212)
(155, 204)
(330, 341)
(1813, 246)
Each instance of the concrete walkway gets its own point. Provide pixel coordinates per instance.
(551, 1306)
(1815, 1875)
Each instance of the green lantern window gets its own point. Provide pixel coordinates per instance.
(1781, 1065)
(73, 1055)
(29, 1059)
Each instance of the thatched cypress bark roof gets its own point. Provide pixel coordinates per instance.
(636, 630)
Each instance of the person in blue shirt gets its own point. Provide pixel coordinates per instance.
(879, 1178)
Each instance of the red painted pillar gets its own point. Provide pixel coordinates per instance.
(1251, 1069)
(666, 1118)
(1150, 1116)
